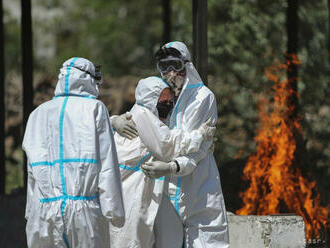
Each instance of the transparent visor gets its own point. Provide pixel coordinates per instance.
(97, 75)
(170, 64)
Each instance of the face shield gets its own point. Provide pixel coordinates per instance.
(97, 76)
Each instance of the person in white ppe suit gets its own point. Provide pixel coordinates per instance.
(143, 195)
(194, 189)
(74, 186)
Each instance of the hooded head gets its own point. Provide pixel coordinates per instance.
(178, 79)
(148, 91)
(77, 77)
(181, 47)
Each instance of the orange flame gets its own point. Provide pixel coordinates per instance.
(276, 185)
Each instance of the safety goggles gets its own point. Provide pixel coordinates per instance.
(170, 64)
(97, 75)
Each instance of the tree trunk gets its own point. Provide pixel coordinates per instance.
(27, 67)
(166, 21)
(200, 50)
(292, 48)
(329, 29)
(2, 107)
(301, 156)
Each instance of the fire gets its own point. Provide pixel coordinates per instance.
(276, 182)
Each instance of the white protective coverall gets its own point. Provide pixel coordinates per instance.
(73, 177)
(143, 195)
(195, 191)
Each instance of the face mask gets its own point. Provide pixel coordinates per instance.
(175, 81)
(164, 108)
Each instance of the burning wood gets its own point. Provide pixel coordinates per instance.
(276, 182)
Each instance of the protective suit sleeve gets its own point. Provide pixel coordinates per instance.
(163, 142)
(29, 193)
(110, 189)
(207, 109)
(32, 145)
(189, 162)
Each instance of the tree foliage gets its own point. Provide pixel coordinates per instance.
(244, 38)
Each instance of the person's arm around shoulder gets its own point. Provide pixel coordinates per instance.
(205, 111)
(165, 143)
(110, 189)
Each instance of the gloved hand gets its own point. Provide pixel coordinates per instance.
(158, 169)
(207, 130)
(124, 125)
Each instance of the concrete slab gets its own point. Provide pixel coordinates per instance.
(270, 231)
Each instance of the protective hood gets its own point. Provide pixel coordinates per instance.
(73, 79)
(148, 91)
(192, 76)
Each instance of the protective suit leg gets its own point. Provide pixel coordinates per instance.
(200, 237)
(168, 227)
(48, 232)
(34, 240)
(207, 226)
(88, 235)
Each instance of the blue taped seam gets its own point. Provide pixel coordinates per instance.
(68, 160)
(61, 146)
(77, 95)
(66, 89)
(144, 158)
(191, 86)
(69, 197)
(58, 198)
(137, 167)
(63, 204)
(61, 127)
(80, 160)
(126, 167)
(66, 240)
(82, 198)
(172, 197)
(177, 194)
(46, 163)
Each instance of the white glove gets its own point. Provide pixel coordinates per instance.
(124, 125)
(207, 130)
(158, 169)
